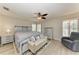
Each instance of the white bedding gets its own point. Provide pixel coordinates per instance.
(21, 37)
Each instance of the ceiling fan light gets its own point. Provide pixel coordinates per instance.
(39, 18)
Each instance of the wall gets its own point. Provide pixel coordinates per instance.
(56, 24)
(9, 23)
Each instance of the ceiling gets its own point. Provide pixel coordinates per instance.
(26, 10)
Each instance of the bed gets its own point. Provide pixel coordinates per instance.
(22, 36)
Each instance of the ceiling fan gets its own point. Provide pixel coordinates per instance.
(6, 8)
(40, 16)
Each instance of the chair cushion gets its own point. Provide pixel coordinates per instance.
(74, 36)
(68, 43)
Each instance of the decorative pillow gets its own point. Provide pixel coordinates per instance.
(32, 38)
(38, 37)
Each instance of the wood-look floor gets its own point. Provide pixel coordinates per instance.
(7, 49)
(52, 48)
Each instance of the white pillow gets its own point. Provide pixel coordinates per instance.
(38, 37)
(32, 39)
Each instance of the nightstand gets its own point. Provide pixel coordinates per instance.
(6, 39)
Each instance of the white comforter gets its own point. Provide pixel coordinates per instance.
(22, 37)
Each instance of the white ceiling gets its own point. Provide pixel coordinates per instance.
(26, 10)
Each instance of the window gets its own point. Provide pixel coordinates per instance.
(36, 27)
(33, 27)
(74, 26)
(65, 28)
(70, 26)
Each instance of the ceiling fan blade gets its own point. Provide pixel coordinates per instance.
(44, 14)
(7, 9)
(43, 18)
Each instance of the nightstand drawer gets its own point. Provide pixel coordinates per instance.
(6, 39)
(9, 38)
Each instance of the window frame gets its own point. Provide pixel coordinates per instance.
(35, 27)
(72, 22)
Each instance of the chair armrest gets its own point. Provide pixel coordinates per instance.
(76, 41)
(65, 38)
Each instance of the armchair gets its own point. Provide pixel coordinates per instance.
(71, 42)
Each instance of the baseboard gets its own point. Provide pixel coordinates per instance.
(57, 40)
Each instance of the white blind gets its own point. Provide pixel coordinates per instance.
(33, 27)
(65, 28)
(38, 27)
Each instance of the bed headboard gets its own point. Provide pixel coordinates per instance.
(22, 28)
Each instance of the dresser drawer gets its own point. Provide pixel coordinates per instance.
(3, 40)
(9, 37)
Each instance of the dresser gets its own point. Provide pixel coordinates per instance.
(6, 39)
(48, 31)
